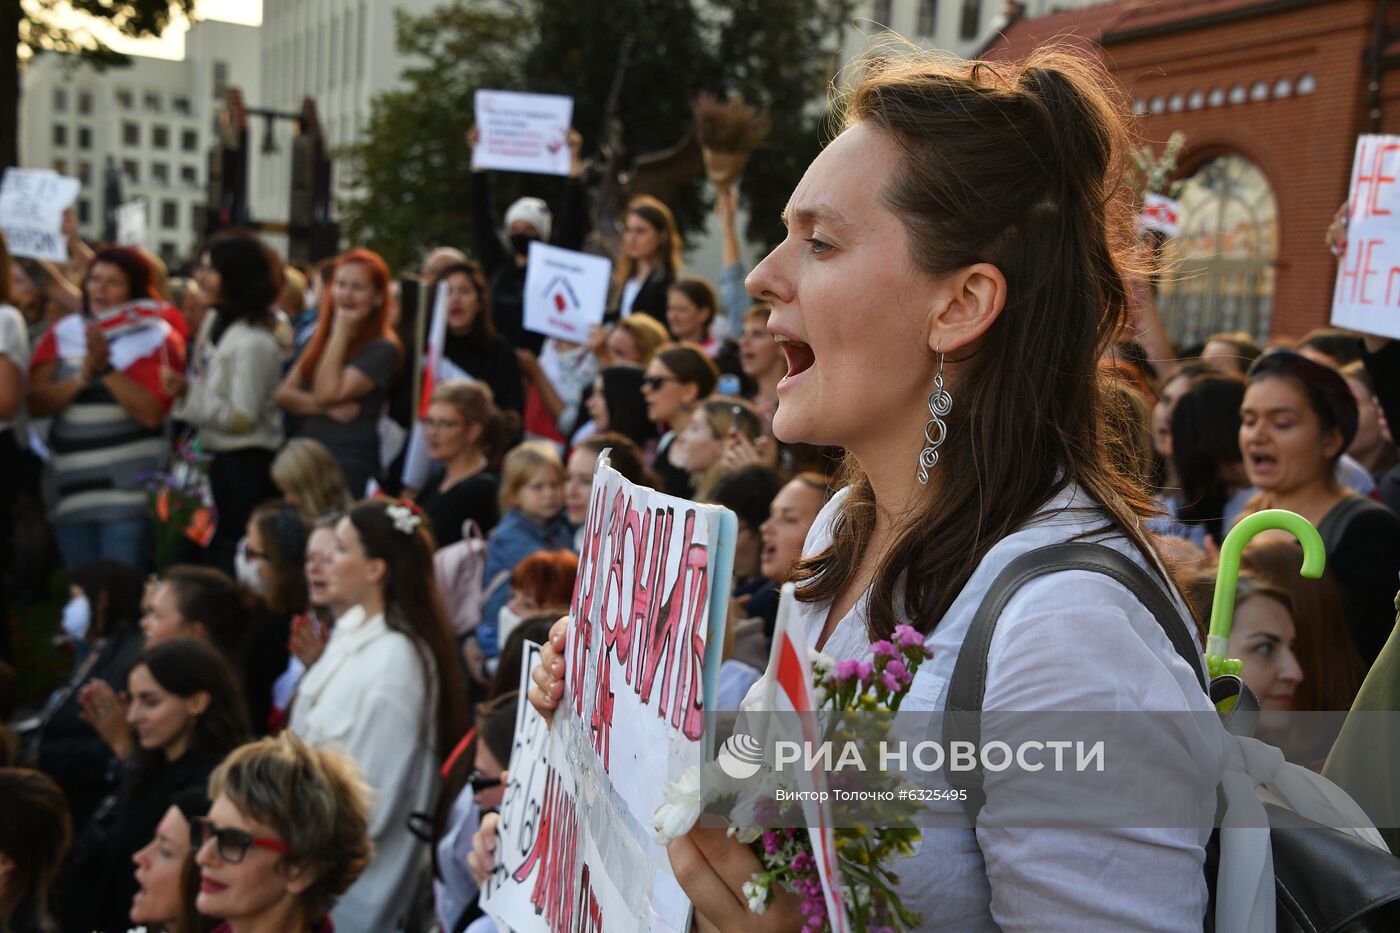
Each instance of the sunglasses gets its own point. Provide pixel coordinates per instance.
(480, 783)
(233, 844)
(654, 383)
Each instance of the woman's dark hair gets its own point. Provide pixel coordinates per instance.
(193, 803)
(35, 834)
(535, 629)
(1246, 350)
(748, 493)
(212, 598)
(1020, 166)
(250, 278)
(495, 723)
(113, 590)
(185, 667)
(627, 409)
(701, 294)
(475, 403)
(140, 275)
(284, 532)
(483, 330)
(1338, 344)
(412, 606)
(1206, 439)
(1327, 392)
(626, 457)
(690, 365)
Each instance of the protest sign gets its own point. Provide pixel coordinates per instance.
(650, 604)
(1161, 214)
(133, 224)
(565, 292)
(32, 202)
(523, 132)
(1367, 292)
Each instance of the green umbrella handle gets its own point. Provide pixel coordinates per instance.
(1222, 613)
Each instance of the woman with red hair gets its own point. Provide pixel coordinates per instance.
(338, 386)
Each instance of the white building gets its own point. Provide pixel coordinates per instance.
(154, 119)
(961, 27)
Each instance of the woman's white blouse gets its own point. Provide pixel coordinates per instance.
(367, 696)
(1073, 640)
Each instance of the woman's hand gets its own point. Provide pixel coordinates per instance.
(482, 858)
(548, 675)
(173, 382)
(598, 344)
(96, 361)
(740, 452)
(711, 867)
(344, 412)
(1337, 231)
(308, 639)
(102, 709)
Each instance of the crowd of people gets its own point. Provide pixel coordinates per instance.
(302, 718)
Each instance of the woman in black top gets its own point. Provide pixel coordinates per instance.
(650, 260)
(677, 379)
(466, 432)
(1297, 418)
(187, 713)
(472, 343)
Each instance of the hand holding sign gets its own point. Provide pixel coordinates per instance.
(32, 202)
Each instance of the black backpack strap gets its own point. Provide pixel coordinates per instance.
(969, 681)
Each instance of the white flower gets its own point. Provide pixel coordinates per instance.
(757, 893)
(684, 802)
(404, 518)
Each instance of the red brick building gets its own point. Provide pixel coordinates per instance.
(1271, 95)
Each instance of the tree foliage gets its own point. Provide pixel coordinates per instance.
(410, 172)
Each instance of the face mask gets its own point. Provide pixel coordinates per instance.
(77, 618)
(520, 242)
(505, 624)
(246, 571)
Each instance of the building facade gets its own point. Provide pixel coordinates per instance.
(960, 27)
(1271, 96)
(153, 120)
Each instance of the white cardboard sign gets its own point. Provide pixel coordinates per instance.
(134, 224)
(565, 292)
(1367, 292)
(523, 132)
(32, 202)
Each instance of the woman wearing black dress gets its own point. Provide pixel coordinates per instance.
(466, 432)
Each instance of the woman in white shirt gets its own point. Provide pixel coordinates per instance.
(389, 691)
(962, 237)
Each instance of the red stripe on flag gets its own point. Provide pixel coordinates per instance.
(790, 676)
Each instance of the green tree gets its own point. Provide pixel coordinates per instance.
(31, 27)
(409, 173)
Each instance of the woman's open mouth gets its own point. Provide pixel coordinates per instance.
(800, 357)
(1262, 463)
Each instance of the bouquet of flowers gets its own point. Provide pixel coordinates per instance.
(864, 853)
(181, 503)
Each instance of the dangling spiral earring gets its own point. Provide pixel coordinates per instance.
(940, 403)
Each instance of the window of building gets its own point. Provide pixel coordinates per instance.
(360, 42)
(167, 252)
(84, 210)
(169, 214)
(60, 134)
(84, 102)
(60, 99)
(346, 60)
(1307, 84)
(182, 106)
(84, 137)
(160, 173)
(131, 134)
(196, 216)
(160, 137)
(189, 175)
(220, 79)
(880, 13)
(60, 166)
(85, 172)
(1225, 256)
(971, 20)
(928, 17)
(124, 98)
(189, 141)
(132, 171)
(151, 101)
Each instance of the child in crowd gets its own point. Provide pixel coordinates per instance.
(532, 503)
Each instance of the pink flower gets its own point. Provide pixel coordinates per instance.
(907, 637)
(896, 676)
(847, 669)
(770, 842)
(803, 862)
(883, 648)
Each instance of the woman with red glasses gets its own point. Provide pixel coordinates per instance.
(287, 833)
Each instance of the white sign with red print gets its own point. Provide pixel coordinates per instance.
(1162, 214)
(1366, 296)
(32, 202)
(565, 292)
(523, 132)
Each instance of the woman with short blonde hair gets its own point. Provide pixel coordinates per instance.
(287, 834)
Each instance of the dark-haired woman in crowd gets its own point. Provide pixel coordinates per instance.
(616, 405)
(649, 262)
(473, 343)
(389, 691)
(34, 837)
(97, 374)
(229, 395)
(286, 837)
(1297, 418)
(107, 599)
(186, 713)
(691, 307)
(274, 550)
(167, 879)
(890, 276)
(466, 433)
(677, 379)
(578, 474)
(1206, 456)
(338, 386)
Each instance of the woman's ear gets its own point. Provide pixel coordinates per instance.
(474, 432)
(377, 570)
(1332, 445)
(298, 878)
(968, 302)
(199, 703)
